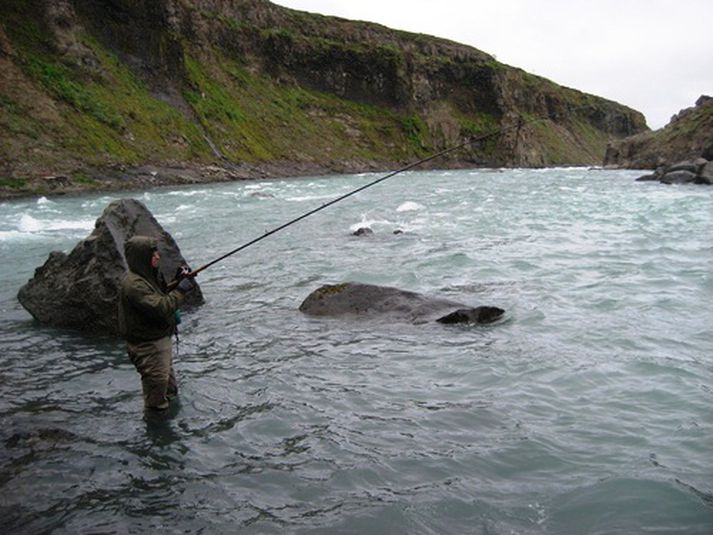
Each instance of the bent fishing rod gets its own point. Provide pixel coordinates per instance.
(470, 141)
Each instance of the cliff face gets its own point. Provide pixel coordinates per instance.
(689, 135)
(91, 87)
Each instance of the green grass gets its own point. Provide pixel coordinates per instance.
(58, 80)
(416, 131)
(475, 126)
(16, 119)
(108, 115)
(252, 118)
(13, 183)
(84, 179)
(102, 113)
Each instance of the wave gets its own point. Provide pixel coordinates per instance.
(368, 222)
(14, 235)
(410, 206)
(309, 198)
(29, 224)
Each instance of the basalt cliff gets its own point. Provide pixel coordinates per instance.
(126, 93)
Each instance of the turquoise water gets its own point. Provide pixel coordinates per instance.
(588, 409)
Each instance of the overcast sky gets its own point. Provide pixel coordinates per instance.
(655, 56)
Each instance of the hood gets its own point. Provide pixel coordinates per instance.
(138, 252)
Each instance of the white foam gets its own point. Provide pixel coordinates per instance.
(13, 235)
(184, 193)
(363, 224)
(29, 224)
(308, 198)
(410, 206)
(368, 223)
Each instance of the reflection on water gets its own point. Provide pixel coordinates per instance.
(586, 410)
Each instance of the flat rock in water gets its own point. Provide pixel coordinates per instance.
(80, 290)
(370, 300)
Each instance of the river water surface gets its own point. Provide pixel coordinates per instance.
(587, 409)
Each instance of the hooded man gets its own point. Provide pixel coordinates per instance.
(147, 319)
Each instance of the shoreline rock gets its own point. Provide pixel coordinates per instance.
(698, 171)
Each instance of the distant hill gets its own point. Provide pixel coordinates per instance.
(688, 136)
(105, 93)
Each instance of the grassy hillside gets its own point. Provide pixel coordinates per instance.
(91, 92)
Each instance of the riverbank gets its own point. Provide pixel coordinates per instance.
(150, 176)
(255, 82)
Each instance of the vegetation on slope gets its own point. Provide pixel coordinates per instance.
(91, 90)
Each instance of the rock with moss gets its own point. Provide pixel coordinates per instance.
(79, 290)
(368, 300)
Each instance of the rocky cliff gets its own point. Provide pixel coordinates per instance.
(688, 136)
(96, 92)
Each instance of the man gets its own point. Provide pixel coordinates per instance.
(147, 319)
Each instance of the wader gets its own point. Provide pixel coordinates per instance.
(153, 360)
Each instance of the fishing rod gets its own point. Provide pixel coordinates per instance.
(470, 141)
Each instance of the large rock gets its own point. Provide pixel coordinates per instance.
(706, 173)
(370, 300)
(698, 171)
(678, 177)
(80, 289)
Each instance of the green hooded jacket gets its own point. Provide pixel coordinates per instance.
(146, 311)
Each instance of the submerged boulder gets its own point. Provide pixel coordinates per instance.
(368, 300)
(79, 290)
(363, 231)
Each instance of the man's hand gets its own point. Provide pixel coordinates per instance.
(182, 272)
(186, 281)
(186, 284)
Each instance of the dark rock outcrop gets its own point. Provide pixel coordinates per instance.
(79, 290)
(698, 171)
(688, 136)
(371, 300)
(703, 99)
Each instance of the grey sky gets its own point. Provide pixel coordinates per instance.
(655, 56)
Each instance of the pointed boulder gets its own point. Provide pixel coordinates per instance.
(79, 290)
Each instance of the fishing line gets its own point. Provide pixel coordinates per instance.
(470, 141)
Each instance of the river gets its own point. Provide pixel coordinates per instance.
(587, 409)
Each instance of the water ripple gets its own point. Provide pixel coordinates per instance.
(586, 410)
